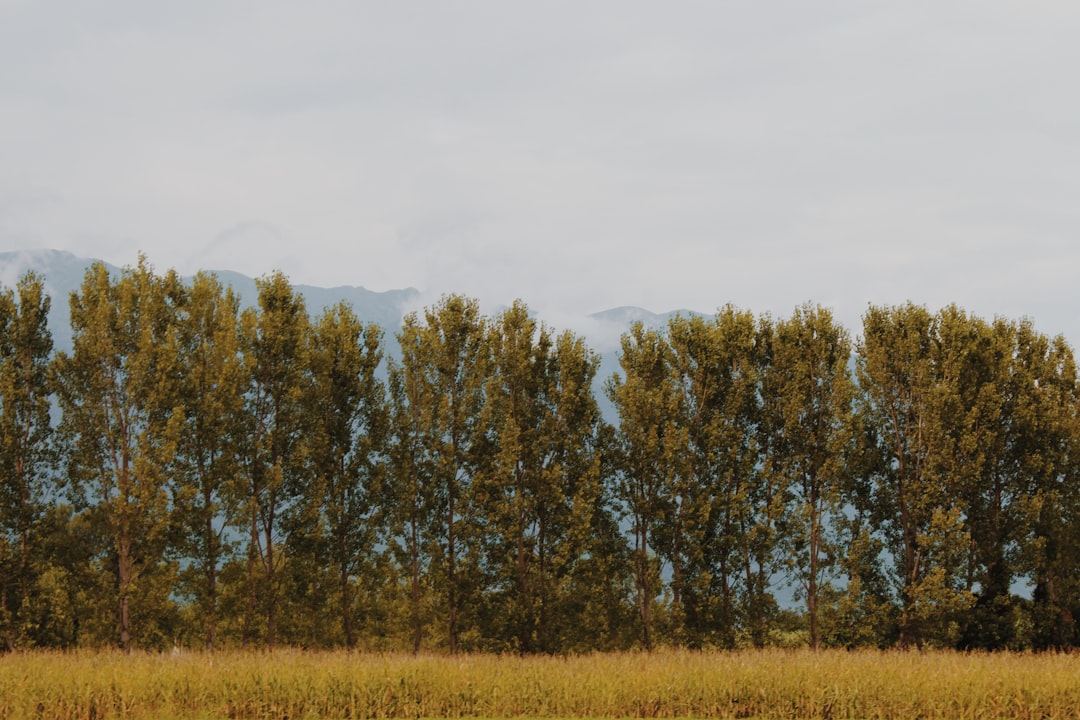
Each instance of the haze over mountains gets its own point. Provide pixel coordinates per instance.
(63, 273)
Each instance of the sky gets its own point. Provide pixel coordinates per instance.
(577, 155)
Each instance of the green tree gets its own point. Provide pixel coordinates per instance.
(274, 338)
(205, 487)
(119, 395)
(721, 534)
(27, 451)
(584, 568)
(902, 384)
(408, 494)
(651, 450)
(808, 395)
(1047, 433)
(538, 483)
(346, 448)
(978, 403)
(438, 393)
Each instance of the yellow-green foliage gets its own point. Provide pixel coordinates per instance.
(765, 684)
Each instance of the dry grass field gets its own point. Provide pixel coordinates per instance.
(764, 684)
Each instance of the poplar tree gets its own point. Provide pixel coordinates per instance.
(511, 472)
(581, 552)
(122, 414)
(538, 483)
(808, 424)
(686, 536)
(273, 343)
(651, 449)
(408, 496)
(901, 377)
(206, 490)
(1050, 546)
(346, 450)
(27, 451)
(438, 394)
(750, 501)
(723, 532)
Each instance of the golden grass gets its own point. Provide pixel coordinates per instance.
(766, 684)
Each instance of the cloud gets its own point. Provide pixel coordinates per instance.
(579, 156)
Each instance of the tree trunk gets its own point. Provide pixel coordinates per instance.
(418, 628)
(451, 551)
(271, 588)
(125, 567)
(211, 574)
(253, 596)
(644, 591)
(815, 561)
(525, 622)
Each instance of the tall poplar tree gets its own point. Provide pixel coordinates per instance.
(581, 554)
(724, 527)
(651, 450)
(408, 496)
(1050, 426)
(346, 449)
(808, 396)
(538, 484)
(902, 384)
(438, 394)
(274, 339)
(750, 501)
(122, 413)
(205, 487)
(27, 451)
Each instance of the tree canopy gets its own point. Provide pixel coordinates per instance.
(194, 474)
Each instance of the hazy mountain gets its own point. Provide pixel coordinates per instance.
(64, 272)
(627, 315)
(383, 308)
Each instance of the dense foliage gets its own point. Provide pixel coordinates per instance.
(196, 475)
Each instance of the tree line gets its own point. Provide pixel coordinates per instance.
(192, 473)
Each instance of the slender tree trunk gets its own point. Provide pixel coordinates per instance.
(211, 573)
(346, 595)
(271, 584)
(24, 532)
(125, 567)
(9, 638)
(812, 604)
(253, 591)
(525, 622)
(343, 561)
(905, 635)
(451, 550)
(124, 552)
(542, 631)
(815, 561)
(677, 575)
(908, 631)
(727, 616)
(418, 628)
(644, 591)
(752, 600)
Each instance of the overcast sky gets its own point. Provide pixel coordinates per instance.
(579, 155)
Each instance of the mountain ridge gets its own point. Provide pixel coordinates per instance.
(63, 273)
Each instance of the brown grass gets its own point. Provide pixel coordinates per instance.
(765, 684)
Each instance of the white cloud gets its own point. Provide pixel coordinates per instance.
(577, 155)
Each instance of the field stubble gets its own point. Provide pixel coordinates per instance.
(745, 684)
